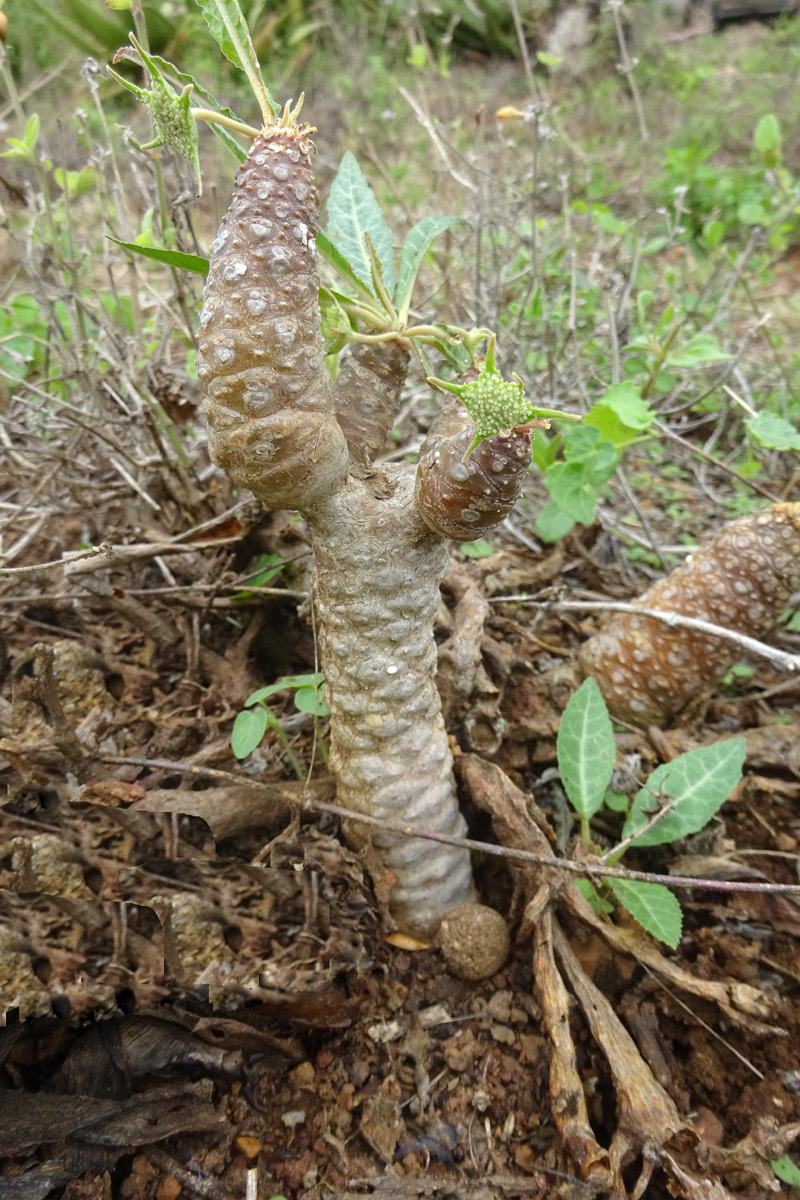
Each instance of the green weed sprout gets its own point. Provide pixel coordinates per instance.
(677, 799)
(257, 717)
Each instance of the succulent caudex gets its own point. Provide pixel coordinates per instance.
(648, 672)
(280, 428)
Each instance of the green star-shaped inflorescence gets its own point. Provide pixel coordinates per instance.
(494, 403)
(173, 123)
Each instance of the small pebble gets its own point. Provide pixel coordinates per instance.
(474, 940)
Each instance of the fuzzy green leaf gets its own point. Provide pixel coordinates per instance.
(652, 905)
(773, 433)
(586, 749)
(333, 255)
(417, 245)
(173, 258)
(229, 30)
(697, 784)
(571, 490)
(248, 730)
(553, 523)
(626, 401)
(352, 212)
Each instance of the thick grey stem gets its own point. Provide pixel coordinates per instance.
(378, 571)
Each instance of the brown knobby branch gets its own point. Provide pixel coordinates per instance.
(544, 860)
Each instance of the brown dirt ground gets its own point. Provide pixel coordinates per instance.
(191, 955)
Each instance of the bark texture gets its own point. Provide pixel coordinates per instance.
(269, 399)
(378, 571)
(460, 498)
(367, 395)
(279, 427)
(741, 580)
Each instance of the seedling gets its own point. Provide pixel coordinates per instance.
(677, 799)
(257, 717)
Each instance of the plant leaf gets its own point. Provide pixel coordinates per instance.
(309, 700)
(333, 255)
(773, 433)
(352, 212)
(626, 401)
(652, 905)
(586, 749)
(173, 258)
(787, 1170)
(417, 245)
(553, 523)
(248, 730)
(480, 548)
(697, 784)
(229, 30)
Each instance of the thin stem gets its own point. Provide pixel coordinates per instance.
(290, 754)
(780, 658)
(215, 118)
(405, 830)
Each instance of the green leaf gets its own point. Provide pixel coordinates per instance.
(752, 214)
(697, 785)
(767, 135)
(569, 488)
(713, 233)
(417, 245)
(626, 401)
(553, 523)
(337, 260)
(652, 905)
(580, 442)
(787, 1170)
(586, 749)
(480, 548)
(610, 427)
(264, 693)
(702, 348)
(544, 449)
(25, 148)
(352, 212)
(617, 801)
(173, 258)
(548, 60)
(229, 30)
(248, 730)
(309, 700)
(268, 565)
(311, 679)
(773, 433)
(598, 903)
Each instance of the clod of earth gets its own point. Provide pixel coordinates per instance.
(380, 533)
(742, 580)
